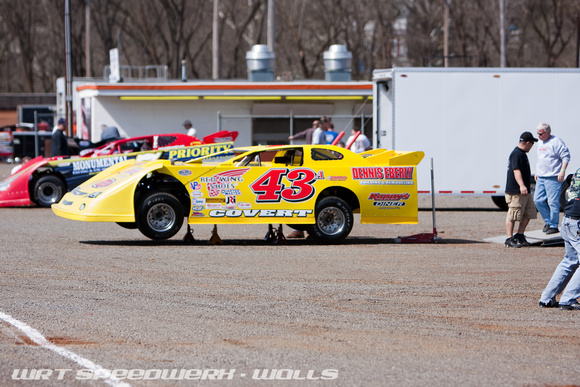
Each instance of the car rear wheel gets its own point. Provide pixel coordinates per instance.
(48, 190)
(159, 216)
(334, 220)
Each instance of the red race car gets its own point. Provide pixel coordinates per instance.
(44, 181)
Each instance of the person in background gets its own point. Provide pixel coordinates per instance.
(566, 277)
(59, 146)
(361, 144)
(306, 134)
(553, 159)
(319, 134)
(190, 129)
(517, 192)
(330, 133)
(110, 133)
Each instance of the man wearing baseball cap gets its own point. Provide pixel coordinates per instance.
(59, 144)
(517, 192)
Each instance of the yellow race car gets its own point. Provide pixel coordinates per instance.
(311, 187)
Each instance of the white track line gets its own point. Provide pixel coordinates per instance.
(39, 339)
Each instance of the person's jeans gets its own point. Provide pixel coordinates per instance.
(548, 188)
(566, 276)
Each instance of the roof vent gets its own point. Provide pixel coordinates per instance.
(337, 62)
(260, 63)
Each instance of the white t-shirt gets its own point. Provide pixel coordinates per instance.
(318, 137)
(360, 145)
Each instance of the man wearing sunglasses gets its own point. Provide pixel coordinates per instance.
(553, 159)
(517, 192)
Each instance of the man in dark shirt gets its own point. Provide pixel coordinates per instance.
(59, 142)
(517, 192)
(566, 277)
(306, 134)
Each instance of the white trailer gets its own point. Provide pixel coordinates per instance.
(470, 119)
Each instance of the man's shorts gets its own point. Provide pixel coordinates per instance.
(520, 206)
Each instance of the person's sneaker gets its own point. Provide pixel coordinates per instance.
(552, 230)
(546, 228)
(295, 234)
(521, 239)
(511, 242)
(549, 304)
(570, 307)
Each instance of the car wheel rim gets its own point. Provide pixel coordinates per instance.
(161, 217)
(47, 193)
(331, 221)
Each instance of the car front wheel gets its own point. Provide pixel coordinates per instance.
(48, 190)
(159, 216)
(334, 220)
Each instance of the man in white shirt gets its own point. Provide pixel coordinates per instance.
(553, 159)
(361, 143)
(190, 130)
(319, 134)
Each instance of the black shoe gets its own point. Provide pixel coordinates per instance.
(511, 242)
(521, 239)
(570, 307)
(552, 230)
(549, 304)
(546, 228)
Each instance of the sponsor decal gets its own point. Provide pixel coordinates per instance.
(198, 201)
(136, 168)
(259, 213)
(78, 192)
(196, 194)
(231, 192)
(337, 178)
(386, 200)
(195, 186)
(230, 200)
(198, 208)
(198, 151)
(214, 206)
(103, 183)
(94, 195)
(269, 188)
(244, 206)
(184, 172)
(197, 214)
(215, 200)
(84, 166)
(226, 180)
(380, 173)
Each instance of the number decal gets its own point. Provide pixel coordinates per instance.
(301, 188)
(269, 186)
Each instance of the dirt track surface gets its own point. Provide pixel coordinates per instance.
(461, 312)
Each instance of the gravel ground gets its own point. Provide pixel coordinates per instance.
(369, 312)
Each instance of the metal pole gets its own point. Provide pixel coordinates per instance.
(36, 134)
(291, 125)
(215, 71)
(446, 34)
(88, 38)
(271, 25)
(433, 197)
(68, 60)
(502, 54)
(219, 121)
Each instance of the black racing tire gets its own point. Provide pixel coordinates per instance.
(500, 202)
(128, 225)
(48, 190)
(159, 216)
(334, 220)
